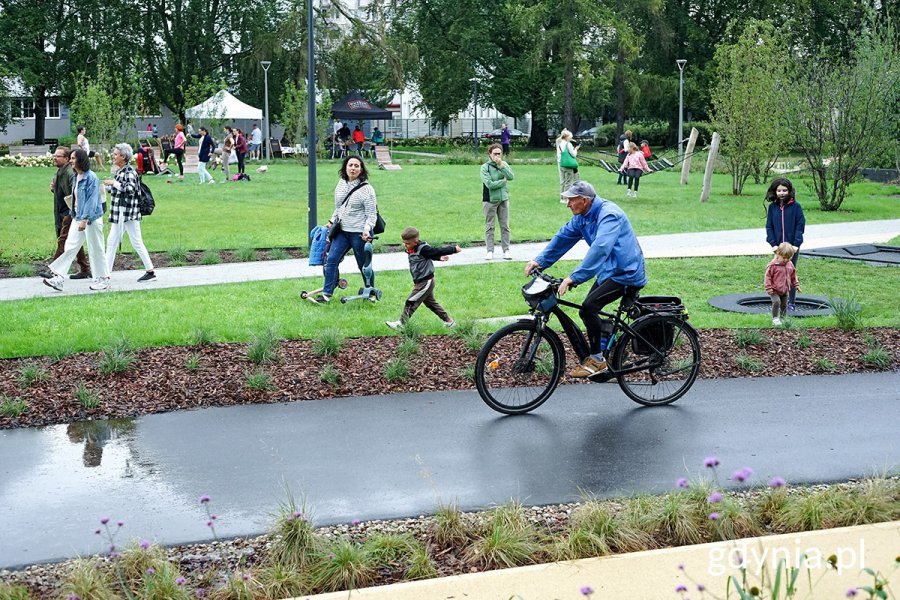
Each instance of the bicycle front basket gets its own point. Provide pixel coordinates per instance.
(538, 294)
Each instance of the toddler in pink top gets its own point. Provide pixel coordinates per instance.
(634, 166)
(780, 277)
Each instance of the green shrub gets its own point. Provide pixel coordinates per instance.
(86, 397)
(420, 565)
(847, 311)
(408, 348)
(329, 375)
(12, 407)
(88, 578)
(823, 364)
(328, 343)
(210, 257)
(263, 347)
(246, 254)
(31, 373)
(343, 565)
(116, 357)
(281, 581)
(468, 372)
(878, 357)
(14, 592)
(504, 546)
(295, 543)
(258, 380)
(746, 338)
(21, 270)
(450, 527)
(192, 362)
(745, 361)
(804, 341)
(202, 337)
(396, 369)
(278, 254)
(177, 256)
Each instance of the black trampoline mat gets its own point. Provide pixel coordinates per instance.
(871, 253)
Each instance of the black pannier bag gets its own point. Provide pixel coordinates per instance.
(660, 335)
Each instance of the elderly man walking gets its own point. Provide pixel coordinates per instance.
(60, 187)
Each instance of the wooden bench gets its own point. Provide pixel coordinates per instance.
(29, 150)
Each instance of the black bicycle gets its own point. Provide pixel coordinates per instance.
(653, 351)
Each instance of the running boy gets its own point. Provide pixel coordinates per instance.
(421, 267)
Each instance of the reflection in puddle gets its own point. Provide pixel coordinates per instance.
(95, 435)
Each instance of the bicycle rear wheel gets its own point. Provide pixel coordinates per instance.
(660, 362)
(518, 368)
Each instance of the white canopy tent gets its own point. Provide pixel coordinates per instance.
(223, 105)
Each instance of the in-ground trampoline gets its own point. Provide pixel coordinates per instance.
(876, 254)
(804, 306)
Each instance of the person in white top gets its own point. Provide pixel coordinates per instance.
(255, 142)
(85, 145)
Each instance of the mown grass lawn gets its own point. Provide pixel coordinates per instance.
(444, 201)
(235, 312)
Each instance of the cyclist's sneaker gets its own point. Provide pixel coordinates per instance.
(394, 324)
(589, 366)
(319, 299)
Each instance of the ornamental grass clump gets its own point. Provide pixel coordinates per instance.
(258, 380)
(824, 364)
(31, 373)
(12, 407)
(449, 527)
(263, 349)
(243, 584)
(14, 592)
(246, 254)
(280, 581)
(878, 357)
(747, 338)
(295, 543)
(164, 582)
(408, 348)
(612, 528)
(201, 336)
(329, 343)
(177, 256)
(847, 311)
(420, 564)
(139, 558)
(749, 363)
(116, 357)
(278, 254)
(192, 362)
(87, 578)
(330, 375)
(21, 270)
(342, 565)
(86, 397)
(210, 257)
(403, 552)
(396, 370)
(502, 546)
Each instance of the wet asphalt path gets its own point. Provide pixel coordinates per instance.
(400, 455)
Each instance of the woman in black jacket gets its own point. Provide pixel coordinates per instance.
(206, 149)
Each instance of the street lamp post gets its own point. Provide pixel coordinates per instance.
(475, 112)
(311, 132)
(680, 62)
(265, 65)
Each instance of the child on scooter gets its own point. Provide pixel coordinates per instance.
(421, 267)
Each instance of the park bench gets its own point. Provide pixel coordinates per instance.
(30, 150)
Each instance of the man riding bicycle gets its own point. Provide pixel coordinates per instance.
(614, 258)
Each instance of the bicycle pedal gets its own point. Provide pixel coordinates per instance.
(602, 377)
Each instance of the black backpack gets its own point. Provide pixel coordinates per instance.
(146, 203)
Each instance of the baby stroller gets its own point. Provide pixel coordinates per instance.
(146, 161)
(319, 244)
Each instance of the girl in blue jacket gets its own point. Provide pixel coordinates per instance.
(785, 222)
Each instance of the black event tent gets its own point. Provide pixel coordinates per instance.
(354, 107)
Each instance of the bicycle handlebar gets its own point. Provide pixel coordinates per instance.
(554, 281)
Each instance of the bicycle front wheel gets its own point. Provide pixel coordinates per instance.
(660, 362)
(519, 367)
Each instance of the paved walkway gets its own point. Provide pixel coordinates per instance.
(739, 242)
(403, 454)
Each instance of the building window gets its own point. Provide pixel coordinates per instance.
(52, 108)
(27, 108)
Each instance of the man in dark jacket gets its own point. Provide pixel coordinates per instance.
(61, 186)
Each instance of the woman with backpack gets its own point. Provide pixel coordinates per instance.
(124, 214)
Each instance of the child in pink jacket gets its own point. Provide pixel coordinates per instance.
(780, 277)
(634, 166)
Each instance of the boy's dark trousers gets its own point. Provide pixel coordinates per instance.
(423, 293)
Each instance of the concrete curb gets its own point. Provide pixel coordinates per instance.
(656, 573)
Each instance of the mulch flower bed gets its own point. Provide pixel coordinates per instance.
(160, 380)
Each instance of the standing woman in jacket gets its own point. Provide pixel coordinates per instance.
(355, 212)
(124, 214)
(207, 147)
(227, 148)
(178, 148)
(495, 174)
(240, 147)
(565, 159)
(87, 223)
(785, 222)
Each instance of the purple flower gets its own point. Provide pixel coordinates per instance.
(212, 517)
(714, 498)
(112, 547)
(711, 462)
(204, 499)
(587, 590)
(714, 516)
(681, 566)
(200, 592)
(209, 523)
(151, 571)
(74, 596)
(680, 588)
(700, 587)
(682, 483)
(120, 523)
(776, 482)
(180, 581)
(354, 522)
(97, 531)
(742, 474)
(851, 593)
(297, 514)
(145, 544)
(245, 577)
(104, 520)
